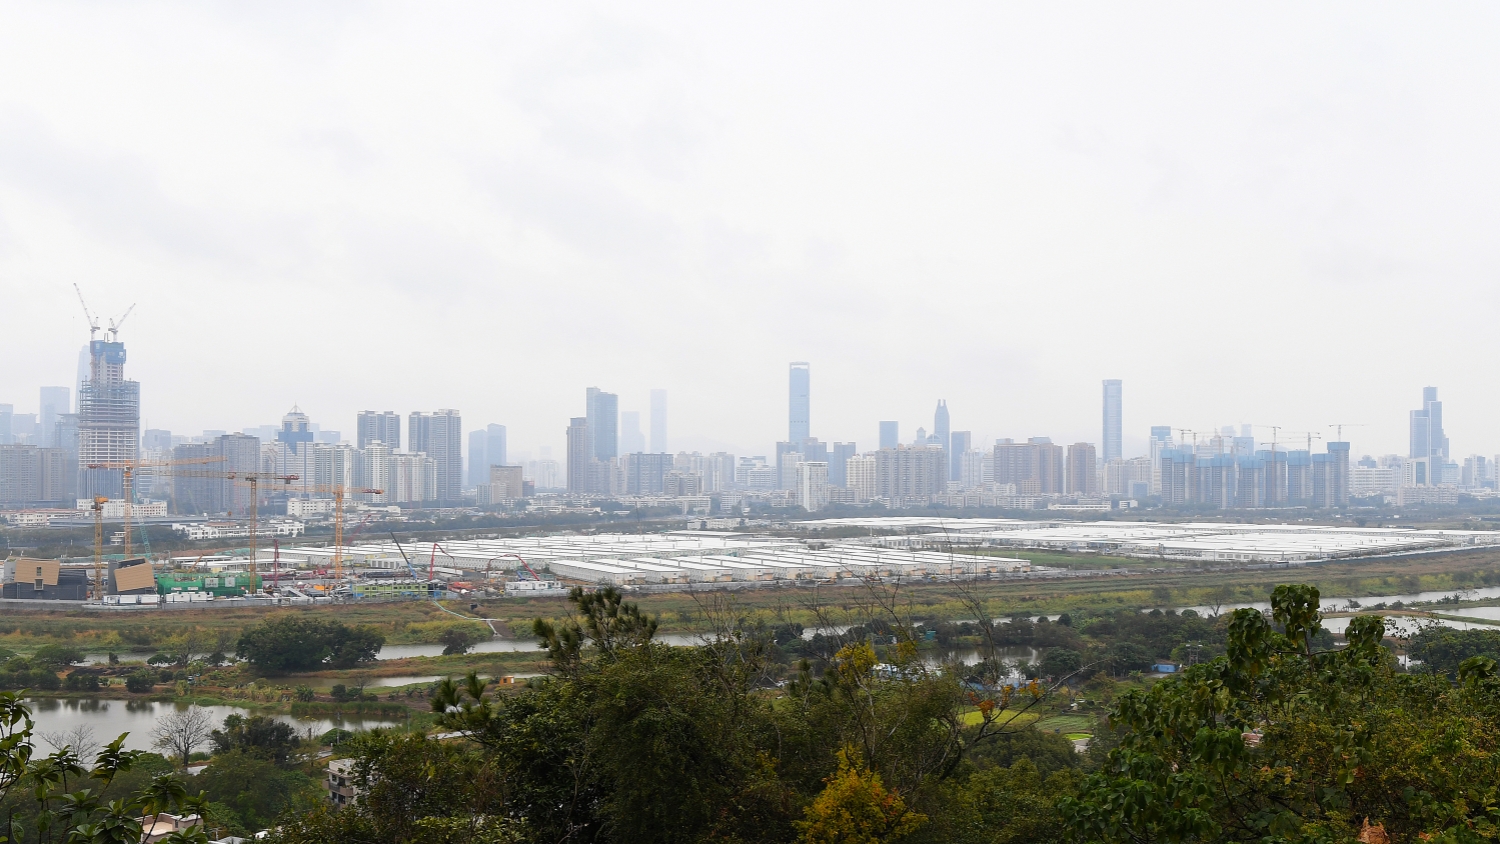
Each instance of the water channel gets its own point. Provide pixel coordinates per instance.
(109, 718)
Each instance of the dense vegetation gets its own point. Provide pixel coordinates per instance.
(1272, 733)
(288, 643)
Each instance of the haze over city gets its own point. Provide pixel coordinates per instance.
(1272, 218)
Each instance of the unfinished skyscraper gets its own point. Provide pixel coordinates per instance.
(109, 419)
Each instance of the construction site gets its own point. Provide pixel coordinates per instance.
(797, 555)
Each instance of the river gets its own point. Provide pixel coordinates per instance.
(109, 718)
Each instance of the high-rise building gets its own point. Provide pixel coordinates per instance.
(959, 444)
(109, 419)
(1429, 444)
(862, 476)
(910, 472)
(440, 436)
(604, 423)
(1113, 416)
(838, 460)
(940, 431)
(890, 434)
(632, 438)
(1083, 473)
(495, 449)
(479, 464)
(157, 439)
(659, 420)
(1035, 466)
(812, 486)
(378, 427)
(788, 457)
(295, 429)
(7, 413)
(580, 453)
(644, 473)
(56, 401)
(799, 403)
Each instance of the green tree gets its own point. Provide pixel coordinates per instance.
(258, 736)
(1280, 741)
(1442, 649)
(140, 681)
(66, 800)
(413, 791)
(458, 639)
(289, 643)
(255, 789)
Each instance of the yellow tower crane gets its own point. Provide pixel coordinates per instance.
(339, 492)
(128, 469)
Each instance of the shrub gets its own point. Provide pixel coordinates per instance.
(142, 680)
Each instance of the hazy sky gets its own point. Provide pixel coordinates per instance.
(1277, 214)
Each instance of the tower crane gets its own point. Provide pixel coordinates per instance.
(1273, 480)
(339, 492)
(92, 320)
(1310, 435)
(254, 480)
(1340, 426)
(98, 508)
(127, 470)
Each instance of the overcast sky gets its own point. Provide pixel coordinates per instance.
(1282, 215)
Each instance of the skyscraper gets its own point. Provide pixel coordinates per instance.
(799, 403)
(960, 442)
(1112, 419)
(580, 452)
(56, 401)
(604, 423)
(1429, 445)
(377, 426)
(659, 420)
(940, 430)
(294, 429)
(440, 436)
(890, 434)
(838, 460)
(494, 445)
(109, 419)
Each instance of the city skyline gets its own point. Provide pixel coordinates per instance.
(575, 201)
(1115, 409)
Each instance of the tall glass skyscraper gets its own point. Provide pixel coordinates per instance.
(1113, 450)
(1429, 445)
(604, 423)
(799, 403)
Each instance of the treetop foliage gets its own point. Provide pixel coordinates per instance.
(292, 642)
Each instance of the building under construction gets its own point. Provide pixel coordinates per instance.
(109, 419)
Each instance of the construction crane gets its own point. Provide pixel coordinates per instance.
(92, 320)
(98, 508)
(1273, 490)
(339, 493)
(254, 480)
(112, 333)
(127, 470)
(1339, 427)
(1310, 436)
